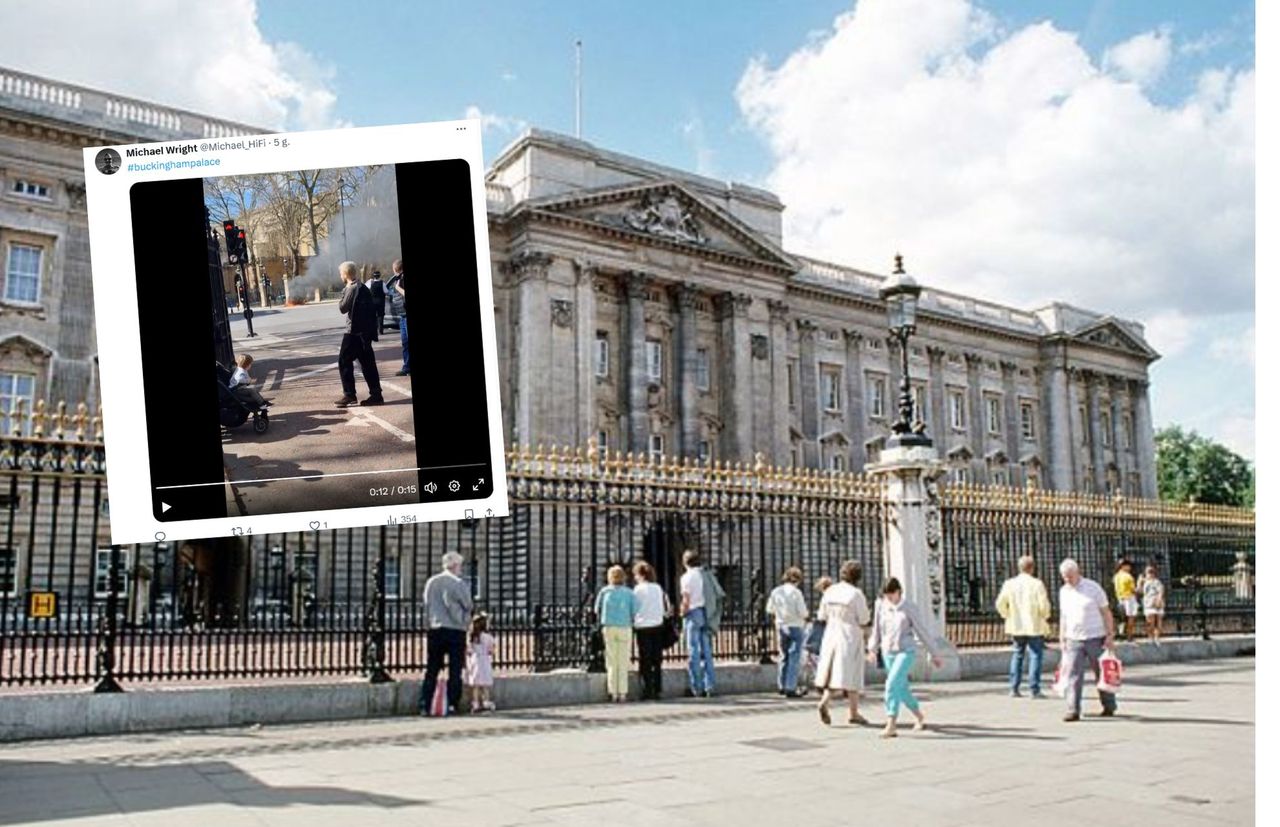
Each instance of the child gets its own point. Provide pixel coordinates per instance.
(480, 645)
(239, 384)
(1152, 602)
(813, 636)
(1126, 588)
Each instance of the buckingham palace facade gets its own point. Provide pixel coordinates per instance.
(658, 312)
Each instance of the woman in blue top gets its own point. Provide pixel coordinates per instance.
(894, 631)
(615, 612)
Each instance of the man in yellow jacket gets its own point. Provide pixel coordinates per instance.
(1024, 605)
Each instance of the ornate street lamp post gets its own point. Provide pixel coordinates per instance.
(901, 295)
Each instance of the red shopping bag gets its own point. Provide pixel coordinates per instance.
(1109, 672)
(439, 701)
(1059, 682)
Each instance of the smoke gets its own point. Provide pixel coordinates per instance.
(366, 230)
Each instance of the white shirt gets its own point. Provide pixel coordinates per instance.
(691, 585)
(651, 606)
(1080, 610)
(239, 376)
(786, 604)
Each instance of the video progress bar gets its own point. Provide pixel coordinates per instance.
(322, 476)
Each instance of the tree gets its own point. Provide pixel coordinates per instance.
(284, 204)
(1190, 467)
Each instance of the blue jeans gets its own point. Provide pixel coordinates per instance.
(702, 667)
(1021, 643)
(1075, 657)
(897, 686)
(404, 343)
(790, 640)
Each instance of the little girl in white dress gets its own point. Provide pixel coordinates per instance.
(480, 646)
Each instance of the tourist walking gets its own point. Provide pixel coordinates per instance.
(447, 600)
(1086, 629)
(357, 342)
(480, 647)
(652, 613)
(843, 609)
(786, 605)
(701, 604)
(813, 633)
(615, 612)
(1152, 591)
(894, 633)
(1126, 595)
(1024, 604)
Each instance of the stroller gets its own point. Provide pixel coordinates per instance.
(232, 411)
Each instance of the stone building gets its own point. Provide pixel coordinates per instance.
(667, 317)
(47, 346)
(652, 309)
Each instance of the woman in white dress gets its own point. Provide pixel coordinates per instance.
(840, 661)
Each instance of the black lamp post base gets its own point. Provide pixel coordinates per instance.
(908, 440)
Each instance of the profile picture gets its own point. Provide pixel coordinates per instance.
(107, 162)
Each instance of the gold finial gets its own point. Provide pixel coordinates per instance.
(37, 420)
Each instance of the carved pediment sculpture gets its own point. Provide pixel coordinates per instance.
(666, 216)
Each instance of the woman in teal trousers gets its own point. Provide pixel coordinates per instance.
(894, 631)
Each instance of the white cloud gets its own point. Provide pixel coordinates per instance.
(208, 57)
(1170, 332)
(493, 122)
(1235, 348)
(1142, 58)
(1010, 164)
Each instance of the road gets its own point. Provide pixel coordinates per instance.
(1179, 754)
(295, 367)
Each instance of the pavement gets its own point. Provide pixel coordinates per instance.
(296, 368)
(1180, 752)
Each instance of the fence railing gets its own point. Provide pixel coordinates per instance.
(348, 602)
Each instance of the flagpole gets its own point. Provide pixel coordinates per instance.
(577, 78)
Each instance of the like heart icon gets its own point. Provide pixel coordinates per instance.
(315, 525)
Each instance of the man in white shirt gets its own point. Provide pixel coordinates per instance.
(697, 628)
(1085, 630)
(786, 604)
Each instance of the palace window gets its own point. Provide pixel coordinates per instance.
(704, 449)
(1084, 426)
(791, 382)
(8, 572)
(702, 369)
(602, 440)
(602, 354)
(22, 273)
(391, 578)
(876, 401)
(993, 416)
(1028, 413)
(653, 359)
(999, 477)
(102, 573)
(30, 189)
(15, 387)
(960, 474)
(795, 457)
(656, 446)
(831, 388)
(956, 407)
(1106, 429)
(1126, 430)
(919, 400)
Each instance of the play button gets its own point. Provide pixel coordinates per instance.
(164, 507)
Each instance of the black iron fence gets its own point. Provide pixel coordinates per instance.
(76, 610)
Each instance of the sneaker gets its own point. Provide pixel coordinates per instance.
(1071, 717)
(708, 694)
(347, 401)
(372, 400)
(1013, 693)
(1108, 713)
(402, 372)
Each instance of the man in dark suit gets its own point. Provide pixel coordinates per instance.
(378, 291)
(357, 343)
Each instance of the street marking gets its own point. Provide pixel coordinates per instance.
(307, 374)
(362, 413)
(397, 388)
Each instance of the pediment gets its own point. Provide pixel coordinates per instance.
(664, 213)
(29, 347)
(960, 453)
(1110, 334)
(834, 437)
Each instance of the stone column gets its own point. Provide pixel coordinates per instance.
(533, 355)
(1077, 432)
(1012, 421)
(1093, 382)
(735, 395)
(637, 407)
(939, 427)
(808, 380)
(778, 312)
(1144, 448)
(585, 299)
(1059, 453)
(913, 544)
(1118, 436)
(977, 425)
(855, 413)
(687, 363)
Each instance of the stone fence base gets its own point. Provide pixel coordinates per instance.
(72, 714)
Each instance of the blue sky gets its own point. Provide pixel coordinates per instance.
(1097, 153)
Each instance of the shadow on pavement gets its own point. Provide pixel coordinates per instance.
(1142, 719)
(993, 732)
(156, 788)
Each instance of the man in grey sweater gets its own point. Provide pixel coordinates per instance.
(447, 600)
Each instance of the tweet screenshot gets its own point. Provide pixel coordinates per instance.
(295, 331)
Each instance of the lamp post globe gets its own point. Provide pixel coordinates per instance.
(901, 296)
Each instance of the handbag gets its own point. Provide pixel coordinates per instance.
(1110, 670)
(670, 631)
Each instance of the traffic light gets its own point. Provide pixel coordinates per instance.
(230, 230)
(242, 246)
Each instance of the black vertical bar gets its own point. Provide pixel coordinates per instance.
(107, 636)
